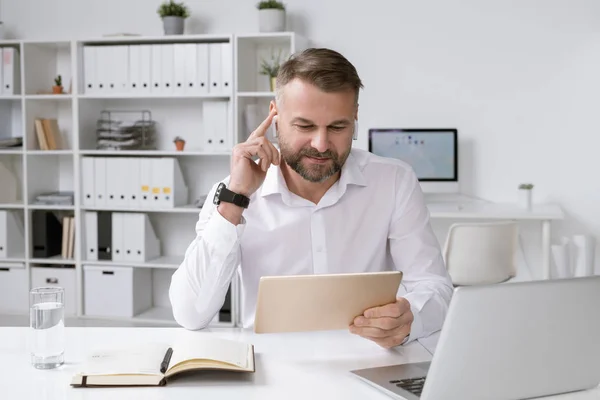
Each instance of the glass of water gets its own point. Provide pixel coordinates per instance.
(47, 327)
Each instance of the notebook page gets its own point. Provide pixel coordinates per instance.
(207, 347)
(141, 359)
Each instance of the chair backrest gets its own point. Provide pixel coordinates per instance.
(481, 252)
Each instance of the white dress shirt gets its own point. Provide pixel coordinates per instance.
(373, 218)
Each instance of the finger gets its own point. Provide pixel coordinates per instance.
(393, 310)
(262, 128)
(391, 341)
(257, 150)
(367, 331)
(274, 153)
(385, 323)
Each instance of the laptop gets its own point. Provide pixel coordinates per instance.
(507, 341)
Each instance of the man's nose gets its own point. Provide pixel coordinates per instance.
(320, 141)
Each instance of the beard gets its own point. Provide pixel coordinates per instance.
(315, 173)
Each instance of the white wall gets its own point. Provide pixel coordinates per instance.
(519, 79)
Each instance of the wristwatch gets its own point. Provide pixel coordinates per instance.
(226, 195)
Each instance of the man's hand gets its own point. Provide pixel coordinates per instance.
(387, 325)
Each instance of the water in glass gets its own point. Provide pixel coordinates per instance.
(47, 330)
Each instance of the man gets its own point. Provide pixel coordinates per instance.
(315, 206)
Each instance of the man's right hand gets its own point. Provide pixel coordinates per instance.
(246, 175)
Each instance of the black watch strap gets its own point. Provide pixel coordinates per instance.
(226, 195)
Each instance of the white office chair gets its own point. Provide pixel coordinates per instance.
(481, 252)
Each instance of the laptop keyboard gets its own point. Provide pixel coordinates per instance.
(413, 385)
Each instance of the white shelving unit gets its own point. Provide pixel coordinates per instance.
(39, 171)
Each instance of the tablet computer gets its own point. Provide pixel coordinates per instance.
(300, 303)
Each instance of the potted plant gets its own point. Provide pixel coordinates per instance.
(270, 68)
(57, 88)
(179, 143)
(525, 191)
(173, 15)
(271, 16)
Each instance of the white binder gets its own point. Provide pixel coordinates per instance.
(135, 69)
(89, 69)
(101, 70)
(156, 69)
(12, 239)
(145, 184)
(179, 68)
(10, 71)
(141, 242)
(87, 182)
(214, 70)
(132, 179)
(122, 180)
(216, 127)
(117, 236)
(168, 66)
(168, 179)
(91, 235)
(1, 70)
(226, 68)
(145, 71)
(121, 68)
(202, 63)
(100, 181)
(112, 184)
(191, 84)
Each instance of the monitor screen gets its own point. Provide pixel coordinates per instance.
(432, 153)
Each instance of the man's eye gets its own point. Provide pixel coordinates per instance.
(304, 127)
(337, 128)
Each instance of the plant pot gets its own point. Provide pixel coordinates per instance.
(525, 200)
(57, 89)
(179, 145)
(271, 20)
(273, 82)
(173, 25)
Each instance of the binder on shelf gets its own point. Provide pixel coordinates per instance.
(132, 182)
(145, 183)
(214, 68)
(118, 237)
(101, 72)
(167, 67)
(10, 71)
(1, 71)
(202, 62)
(119, 67)
(214, 114)
(104, 235)
(168, 186)
(191, 84)
(135, 68)
(89, 69)
(46, 234)
(156, 68)
(179, 68)
(91, 235)
(12, 237)
(141, 243)
(87, 182)
(66, 228)
(119, 180)
(100, 182)
(145, 71)
(227, 68)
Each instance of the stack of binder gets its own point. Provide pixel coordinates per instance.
(119, 236)
(179, 68)
(12, 238)
(10, 76)
(133, 182)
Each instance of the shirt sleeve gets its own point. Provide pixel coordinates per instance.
(415, 251)
(199, 285)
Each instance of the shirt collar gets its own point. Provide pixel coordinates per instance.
(351, 175)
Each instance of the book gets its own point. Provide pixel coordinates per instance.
(152, 364)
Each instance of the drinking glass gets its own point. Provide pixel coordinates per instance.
(47, 327)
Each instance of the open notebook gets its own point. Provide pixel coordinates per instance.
(152, 364)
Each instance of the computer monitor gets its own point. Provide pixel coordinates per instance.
(432, 153)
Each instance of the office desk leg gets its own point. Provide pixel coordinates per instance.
(546, 238)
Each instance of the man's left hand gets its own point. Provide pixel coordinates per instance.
(387, 325)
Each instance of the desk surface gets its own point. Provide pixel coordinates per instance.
(288, 366)
(486, 210)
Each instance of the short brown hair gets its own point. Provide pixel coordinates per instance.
(326, 69)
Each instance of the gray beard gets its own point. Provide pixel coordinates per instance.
(314, 173)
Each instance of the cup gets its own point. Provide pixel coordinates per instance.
(47, 327)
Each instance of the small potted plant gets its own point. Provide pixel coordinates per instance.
(271, 16)
(525, 190)
(57, 88)
(173, 16)
(179, 143)
(270, 68)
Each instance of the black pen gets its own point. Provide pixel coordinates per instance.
(165, 363)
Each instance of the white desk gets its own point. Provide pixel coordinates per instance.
(290, 366)
(471, 209)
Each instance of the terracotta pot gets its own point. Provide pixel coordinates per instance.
(57, 89)
(180, 144)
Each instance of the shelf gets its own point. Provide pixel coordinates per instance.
(58, 259)
(11, 206)
(50, 207)
(13, 259)
(58, 97)
(150, 153)
(137, 39)
(11, 151)
(11, 97)
(49, 152)
(117, 96)
(164, 262)
(256, 94)
(190, 208)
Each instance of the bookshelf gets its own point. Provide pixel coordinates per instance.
(76, 112)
